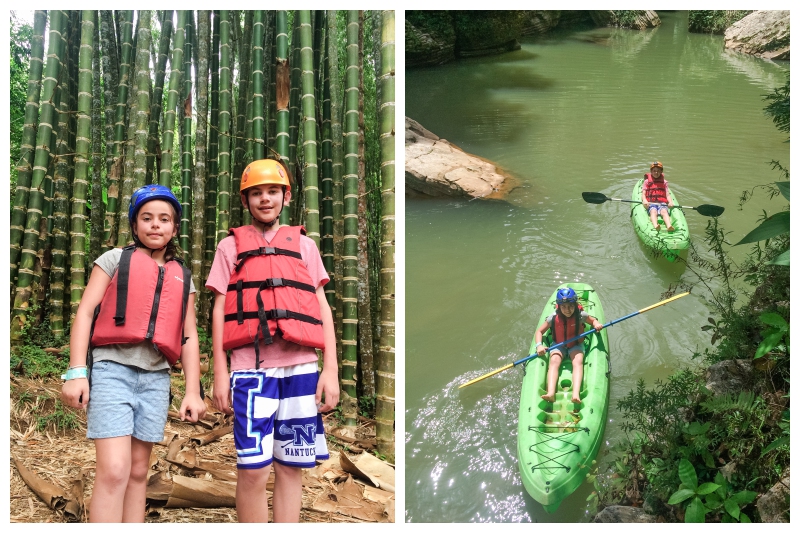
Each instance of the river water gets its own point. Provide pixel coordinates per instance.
(578, 111)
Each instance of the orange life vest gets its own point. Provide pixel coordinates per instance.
(566, 328)
(270, 292)
(655, 190)
(149, 306)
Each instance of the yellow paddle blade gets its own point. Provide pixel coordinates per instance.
(668, 300)
(492, 373)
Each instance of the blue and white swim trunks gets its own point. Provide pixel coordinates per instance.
(275, 417)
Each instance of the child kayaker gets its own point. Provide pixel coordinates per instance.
(270, 310)
(145, 323)
(655, 190)
(565, 324)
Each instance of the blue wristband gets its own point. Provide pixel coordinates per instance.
(75, 373)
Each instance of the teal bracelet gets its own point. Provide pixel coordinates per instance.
(75, 373)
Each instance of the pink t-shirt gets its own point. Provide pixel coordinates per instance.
(280, 352)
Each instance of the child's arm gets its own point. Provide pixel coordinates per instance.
(192, 407)
(222, 383)
(645, 203)
(328, 383)
(540, 349)
(75, 392)
(594, 322)
(666, 191)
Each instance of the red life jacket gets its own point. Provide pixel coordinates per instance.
(567, 328)
(154, 310)
(270, 292)
(655, 190)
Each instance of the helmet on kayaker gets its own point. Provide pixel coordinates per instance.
(656, 164)
(142, 195)
(566, 296)
(264, 172)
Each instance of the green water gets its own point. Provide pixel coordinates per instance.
(581, 111)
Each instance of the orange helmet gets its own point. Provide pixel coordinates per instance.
(263, 172)
(656, 164)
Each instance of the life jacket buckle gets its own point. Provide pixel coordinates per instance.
(280, 313)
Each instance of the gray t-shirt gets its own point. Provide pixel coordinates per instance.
(142, 354)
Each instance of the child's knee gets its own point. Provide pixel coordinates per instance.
(253, 477)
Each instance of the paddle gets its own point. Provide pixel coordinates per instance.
(705, 209)
(639, 312)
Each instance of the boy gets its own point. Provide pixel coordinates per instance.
(565, 326)
(655, 190)
(270, 310)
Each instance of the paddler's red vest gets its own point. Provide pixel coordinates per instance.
(270, 292)
(566, 328)
(145, 301)
(655, 190)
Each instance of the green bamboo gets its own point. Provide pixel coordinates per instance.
(125, 21)
(385, 383)
(244, 89)
(80, 184)
(270, 51)
(327, 186)
(224, 160)
(257, 144)
(27, 148)
(349, 398)
(186, 144)
(308, 104)
(199, 178)
(97, 207)
(157, 102)
(211, 184)
(41, 160)
(282, 89)
(173, 94)
(338, 170)
(294, 115)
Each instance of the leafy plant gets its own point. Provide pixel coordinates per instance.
(36, 362)
(709, 496)
(777, 334)
(60, 419)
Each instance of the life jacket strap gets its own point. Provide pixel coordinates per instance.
(274, 314)
(122, 284)
(264, 250)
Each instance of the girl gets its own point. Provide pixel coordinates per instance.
(137, 317)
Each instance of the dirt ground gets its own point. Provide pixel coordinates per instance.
(193, 470)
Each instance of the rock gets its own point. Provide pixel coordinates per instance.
(730, 376)
(434, 167)
(480, 33)
(761, 33)
(430, 39)
(635, 20)
(621, 513)
(774, 505)
(539, 22)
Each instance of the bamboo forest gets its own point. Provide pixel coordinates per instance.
(106, 102)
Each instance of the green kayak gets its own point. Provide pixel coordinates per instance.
(670, 244)
(558, 441)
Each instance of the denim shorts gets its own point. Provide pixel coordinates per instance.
(126, 400)
(578, 348)
(657, 207)
(275, 417)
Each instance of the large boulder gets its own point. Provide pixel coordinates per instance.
(539, 22)
(434, 167)
(430, 38)
(480, 33)
(622, 514)
(774, 505)
(761, 33)
(732, 376)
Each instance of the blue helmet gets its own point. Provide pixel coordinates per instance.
(142, 195)
(565, 296)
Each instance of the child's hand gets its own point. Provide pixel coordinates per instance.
(75, 393)
(670, 204)
(193, 408)
(597, 326)
(222, 393)
(646, 204)
(328, 384)
(541, 349)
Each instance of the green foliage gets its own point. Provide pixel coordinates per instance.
(778, 107)
(366, 406)
(33, 361)
(20, 50)
(59, 419)
(775, 336)
(624, 19)
(709, 496)
(714, 21)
